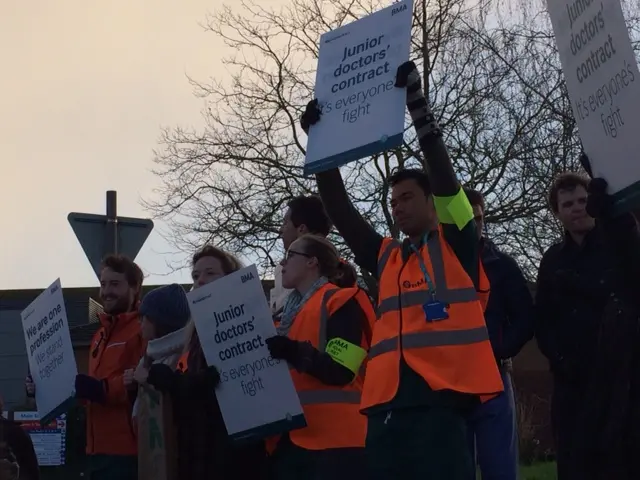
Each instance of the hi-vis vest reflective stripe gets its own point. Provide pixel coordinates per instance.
(332, 413)
(182, 365)
(451, 354)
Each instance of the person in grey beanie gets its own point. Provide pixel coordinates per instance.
(164, 313)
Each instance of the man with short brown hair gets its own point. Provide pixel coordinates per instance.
(109, 389)
(587, 314)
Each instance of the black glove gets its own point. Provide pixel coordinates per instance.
(283, 348)
(161, 377)
(213, 376)
(311, 115)
(403, 73)
(586, 164)
(599, 203)
(91, 389)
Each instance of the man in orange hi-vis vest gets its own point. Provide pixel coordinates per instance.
(430, 359)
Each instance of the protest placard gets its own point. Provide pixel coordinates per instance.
(601, 71)
(362, 111)
(156, 436)
(51, 360)
(256, 393)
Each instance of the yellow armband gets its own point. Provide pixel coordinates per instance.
(454, 210)
(346, 354)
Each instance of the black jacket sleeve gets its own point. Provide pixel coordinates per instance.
(361, 238)
(622, 237)
(519, 308)
(545, 311)
(442, 178)
(347, 323)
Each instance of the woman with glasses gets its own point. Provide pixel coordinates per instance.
(204, 448)
(324, 335)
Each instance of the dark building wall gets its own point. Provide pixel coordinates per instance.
(13, 358)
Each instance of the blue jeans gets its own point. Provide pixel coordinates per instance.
(493, 435)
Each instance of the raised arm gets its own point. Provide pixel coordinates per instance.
(451, 204)
(361, 238)
(545, 313)
(520, 312)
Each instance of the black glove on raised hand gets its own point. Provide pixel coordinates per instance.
(283, 348)
(213, 376)
(89, 388)
(311, 115)
(407, 74)
(599, 202)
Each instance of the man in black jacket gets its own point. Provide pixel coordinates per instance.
(509, 317)
(587, 327)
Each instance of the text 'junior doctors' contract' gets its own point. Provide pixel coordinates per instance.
(603, 83)
(256, 393)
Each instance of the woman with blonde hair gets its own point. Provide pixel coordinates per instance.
(324, 334)
(204, 447)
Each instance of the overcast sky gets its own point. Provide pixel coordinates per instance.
(84, 90)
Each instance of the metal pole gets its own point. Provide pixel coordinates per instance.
(111, 243)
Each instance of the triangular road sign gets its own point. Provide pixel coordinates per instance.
(91, 231)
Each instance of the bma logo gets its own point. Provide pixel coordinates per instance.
(399, 9)
(407, 284)
(247, 277)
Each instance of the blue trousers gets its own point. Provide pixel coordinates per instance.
(493, 435)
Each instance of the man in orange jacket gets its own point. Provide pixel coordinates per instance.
(107, 390)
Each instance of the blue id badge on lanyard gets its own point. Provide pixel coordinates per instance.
(435, 311)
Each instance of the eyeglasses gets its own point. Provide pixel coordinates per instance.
(293, 253)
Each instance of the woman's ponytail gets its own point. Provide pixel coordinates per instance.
(345, 275)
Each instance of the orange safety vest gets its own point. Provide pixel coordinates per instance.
(332, 413)
(450, 354)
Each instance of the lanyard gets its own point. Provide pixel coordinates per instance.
(423, 267)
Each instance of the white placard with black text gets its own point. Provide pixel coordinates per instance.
(603, 83)
(51, 360)
(256, 393)
(363, 111)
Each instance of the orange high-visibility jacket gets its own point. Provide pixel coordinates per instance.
(332, 413)
(450, 354)
(116, 347)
